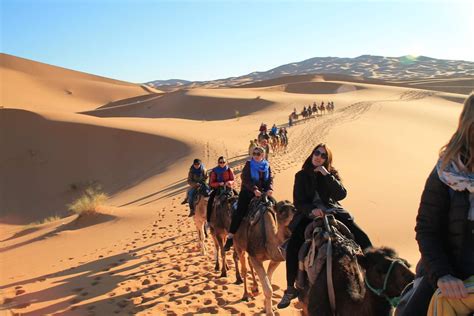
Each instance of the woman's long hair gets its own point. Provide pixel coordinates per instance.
(308, 163)
(462, 142)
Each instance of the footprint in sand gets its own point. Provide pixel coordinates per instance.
(77, 289)
(95, 283)
(19, 292)
(207, 301)
(183, 289)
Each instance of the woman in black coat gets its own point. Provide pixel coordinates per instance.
(317, 188)
(445, 222)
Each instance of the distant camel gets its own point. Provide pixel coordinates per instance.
(322, 108)
(200, 206)
(220, 222)
(260, 235)
(363, 284)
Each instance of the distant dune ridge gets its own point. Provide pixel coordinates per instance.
(405, 68)
(61, 130)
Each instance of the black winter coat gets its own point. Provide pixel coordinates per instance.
(307, 182)
(441, 230)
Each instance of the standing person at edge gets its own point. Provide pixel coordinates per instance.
(317, 188)
(221, 178)
(196, 176)
(445, 229)
(256, 179)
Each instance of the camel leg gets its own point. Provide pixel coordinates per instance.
(243, 266)
(216, 252)
(220, 239)
(271, 268)
(200, 231)
(254, 279)
(267, 287)
(237, 271)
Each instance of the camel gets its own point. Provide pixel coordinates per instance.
(275, 143)
(200, 205)
(220, 222)
(363, 284)
(260, 235)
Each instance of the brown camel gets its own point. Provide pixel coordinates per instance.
(364, 284)
(220, 222)
(260, 235)
(200, 205)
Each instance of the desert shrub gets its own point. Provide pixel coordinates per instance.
(89, 202)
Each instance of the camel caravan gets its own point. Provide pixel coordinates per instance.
(332, 267)
(274, 141)
(311, 111)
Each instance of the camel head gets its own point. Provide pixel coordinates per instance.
(285, 211)
(383, 266)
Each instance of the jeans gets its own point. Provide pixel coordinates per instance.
(191, 193)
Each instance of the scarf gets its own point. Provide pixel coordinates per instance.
(259, 167)
(458, 180)
(199, 171)
(220, 172)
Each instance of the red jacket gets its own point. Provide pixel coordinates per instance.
(228, 175)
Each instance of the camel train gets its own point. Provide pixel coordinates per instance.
(336, 277)
(310, 111)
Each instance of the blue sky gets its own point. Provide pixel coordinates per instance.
(145, 40)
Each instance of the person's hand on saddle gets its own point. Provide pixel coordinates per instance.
(269, 192)
(452, 287)
(257, 192)
(228, 184)
(317, 212)
(322, 170)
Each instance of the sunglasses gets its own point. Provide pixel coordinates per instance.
(318, 153)
(257, 153)
(221, 162)
(197, 164)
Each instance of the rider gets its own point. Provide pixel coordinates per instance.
(266, 147)
(256, 179)
(221, 178)
(263, 128)
(445, 226)
(317, 190)
(196, 176)
(274, 130)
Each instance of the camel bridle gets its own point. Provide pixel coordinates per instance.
(393, 301)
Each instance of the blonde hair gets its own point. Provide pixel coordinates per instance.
(462, 142)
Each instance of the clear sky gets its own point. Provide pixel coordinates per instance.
(144, 40)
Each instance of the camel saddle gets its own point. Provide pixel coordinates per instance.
(312, 255)
(257, 207)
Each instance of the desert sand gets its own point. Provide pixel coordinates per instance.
(61, 130)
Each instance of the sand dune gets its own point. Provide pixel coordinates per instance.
(36, 86)
(184, 105)
(140, 255)
(50, 158)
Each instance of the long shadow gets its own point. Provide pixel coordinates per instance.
(78, 223)
(177, 185)
(95, 276)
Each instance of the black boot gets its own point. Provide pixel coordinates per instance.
(184, 201)
(290, 294)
